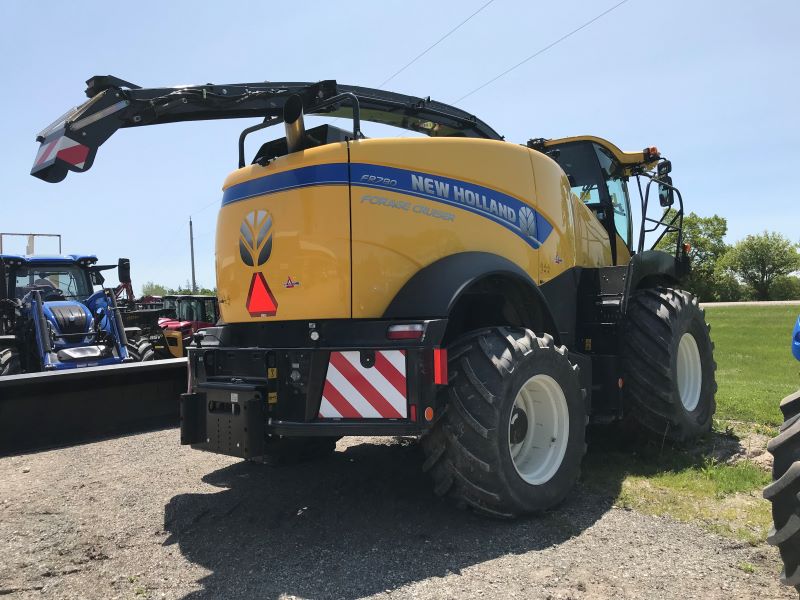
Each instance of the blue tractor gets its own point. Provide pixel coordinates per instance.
(51, 317)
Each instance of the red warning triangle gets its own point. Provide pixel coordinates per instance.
(260, 301)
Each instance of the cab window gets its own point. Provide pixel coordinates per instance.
(618, 190)
(209, 316)
(66, 281)
(617, 193)
(578, 162)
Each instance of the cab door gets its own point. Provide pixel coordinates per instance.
(595, 178)
(619, 205)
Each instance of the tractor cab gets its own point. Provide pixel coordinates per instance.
(185, 315)
(56, 279)
(198, 311)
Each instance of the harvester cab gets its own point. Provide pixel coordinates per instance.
(599, 173)
(483, 295)
(53, 319)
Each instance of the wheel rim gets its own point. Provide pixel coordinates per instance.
(538, 429)
(689, 372)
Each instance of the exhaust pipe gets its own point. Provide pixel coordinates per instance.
(293, 121)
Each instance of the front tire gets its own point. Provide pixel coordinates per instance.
(9, 362)
(511, 436)
(668, 364)
(783, 492)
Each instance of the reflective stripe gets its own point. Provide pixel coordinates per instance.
(327, 411)
(351, 394)
(398, 359)
(380, 384)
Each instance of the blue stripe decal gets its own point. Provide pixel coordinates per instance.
(508, 211)
(328, 174)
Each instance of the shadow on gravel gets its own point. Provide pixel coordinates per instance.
(360, 522)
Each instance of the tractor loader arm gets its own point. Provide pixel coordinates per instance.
(71, 142)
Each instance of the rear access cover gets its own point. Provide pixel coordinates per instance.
(283, 239)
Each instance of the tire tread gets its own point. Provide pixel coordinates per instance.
(459, 456)
(783, 494)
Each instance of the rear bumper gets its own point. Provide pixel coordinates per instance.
(240, 398)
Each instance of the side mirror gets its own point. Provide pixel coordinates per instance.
(96, 277)
(664, 168)
(124, 270)
(665, 194)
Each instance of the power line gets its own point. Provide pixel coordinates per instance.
(199, 210)
(432, 46)
(541, 51)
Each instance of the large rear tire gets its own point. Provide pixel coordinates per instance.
(783, 492)
(9, 362)
(668, 364)
(511, 437)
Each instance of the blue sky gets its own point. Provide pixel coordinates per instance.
(713, 84)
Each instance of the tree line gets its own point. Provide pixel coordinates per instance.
(759, 267)
(156, 289)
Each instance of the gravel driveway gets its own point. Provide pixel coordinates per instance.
(143, 517)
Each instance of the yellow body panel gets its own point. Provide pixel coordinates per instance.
(308, 271)
(591, 238)
(557, 253)
(395, 239)
(410, 203)
(174, 340)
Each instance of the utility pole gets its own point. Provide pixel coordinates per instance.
(191, 248)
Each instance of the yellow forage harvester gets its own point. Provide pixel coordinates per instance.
(489, 297)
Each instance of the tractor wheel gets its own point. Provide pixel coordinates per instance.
(790, 406)
(668, 364)
(510, 439)
(146, 351)
(141, 350)
(783, 493)
(9, 362)
(294, 450)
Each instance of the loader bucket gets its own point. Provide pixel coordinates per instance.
(64, 408)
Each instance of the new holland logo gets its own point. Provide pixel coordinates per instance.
(527, 222)
(255, 239)
(255, 248)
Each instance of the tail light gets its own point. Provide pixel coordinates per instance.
(406, 331)
(440, 366)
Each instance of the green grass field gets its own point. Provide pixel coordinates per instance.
(755, 367)
(701, 484)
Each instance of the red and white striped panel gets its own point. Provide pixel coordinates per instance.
(353, 391)
(64, 148)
